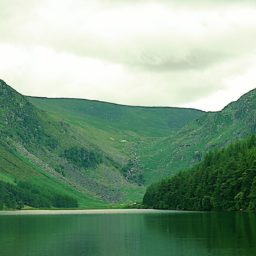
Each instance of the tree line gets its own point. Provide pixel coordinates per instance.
(26, 194)
(224, 180)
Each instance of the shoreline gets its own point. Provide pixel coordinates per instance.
(85, 212)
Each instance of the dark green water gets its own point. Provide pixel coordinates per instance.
(159, 234)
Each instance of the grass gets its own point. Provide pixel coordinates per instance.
(158, 141)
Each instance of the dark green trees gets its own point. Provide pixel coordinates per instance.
(16, 196)
(82, 157)
(225, 180)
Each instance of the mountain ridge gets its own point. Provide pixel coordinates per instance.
(111, 103)
(211, 130)
(103, 153)
(64, 153)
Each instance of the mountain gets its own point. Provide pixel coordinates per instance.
(213, 130)
(120, 131)
(166, 141)
(224, 180)
(29, 140)
(68, 153)
(144, 121)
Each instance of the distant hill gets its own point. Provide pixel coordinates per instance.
(120, 131)
(144, 121)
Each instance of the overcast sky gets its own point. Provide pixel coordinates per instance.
(189, 53)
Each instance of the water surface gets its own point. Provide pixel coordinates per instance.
(125, 233)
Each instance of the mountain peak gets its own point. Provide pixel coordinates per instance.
(248, 95)
(2, 84)
(2, 81)
(7, 91)
(245, 103)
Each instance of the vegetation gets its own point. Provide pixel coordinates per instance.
(30, 145)
(82, 157)
(112, 133)
(21, 121)
(144, 121)
(212, 131)
(102, 154)
(224, 180)
(26, 194)
(133, 172)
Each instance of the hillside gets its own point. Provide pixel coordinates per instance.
(63, 155)
(46, 153)
(98, 154)
(224, 180)
(145, 121)
(28, 139)
(154, 147)
(211, 131)
(134, 136)
(121, 131)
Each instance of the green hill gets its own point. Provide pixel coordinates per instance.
(155, 147)
(224, 180)
(120, 131)
(47, 153)
(28, 139)
(145, 121)
(70, 153)
(211, 131)
(98, 154)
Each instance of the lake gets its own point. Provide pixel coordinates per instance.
(127, 233)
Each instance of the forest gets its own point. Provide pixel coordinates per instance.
(224, 180)
(82, 157)
(25, 194)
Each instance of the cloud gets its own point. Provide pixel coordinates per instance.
(132, 52)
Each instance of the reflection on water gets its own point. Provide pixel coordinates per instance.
(176, 234)
(206, 233)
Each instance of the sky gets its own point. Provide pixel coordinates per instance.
(185, 53)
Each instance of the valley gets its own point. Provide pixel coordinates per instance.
(105, 155)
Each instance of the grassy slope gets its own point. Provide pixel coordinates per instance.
(122, 131)
(117, 129)
(211, 131)
(161, 140)
(33, 142)
(144, 121)
(161, 146)
(27, 151)
(15, 167)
